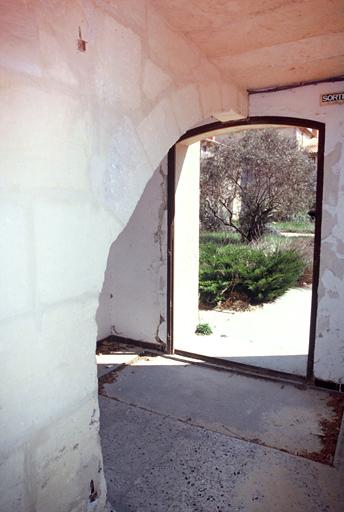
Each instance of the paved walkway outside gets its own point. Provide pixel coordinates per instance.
(175, 439)
(274, 336)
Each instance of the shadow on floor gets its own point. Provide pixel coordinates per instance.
(279, 415)
(180, 437)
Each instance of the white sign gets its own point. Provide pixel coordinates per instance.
(332, 97)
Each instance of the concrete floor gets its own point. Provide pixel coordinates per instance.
(274, 336)
(181, 437)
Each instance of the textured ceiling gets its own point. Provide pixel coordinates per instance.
(264, 43)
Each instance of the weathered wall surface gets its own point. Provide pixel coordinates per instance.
(80, 136)
(304, 102)
(132, 303)
(186, 241)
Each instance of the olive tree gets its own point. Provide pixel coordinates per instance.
(252, 178)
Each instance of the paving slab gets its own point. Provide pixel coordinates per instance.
(155, 463)
(278, 415)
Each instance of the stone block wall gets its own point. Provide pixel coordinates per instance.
(81, 134)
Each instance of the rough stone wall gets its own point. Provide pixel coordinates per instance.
(304, 102)
(80, 136)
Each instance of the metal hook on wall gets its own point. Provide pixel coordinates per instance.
(81, 42)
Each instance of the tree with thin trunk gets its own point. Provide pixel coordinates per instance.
(252, 178)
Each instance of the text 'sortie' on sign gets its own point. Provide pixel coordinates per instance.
(332, 97)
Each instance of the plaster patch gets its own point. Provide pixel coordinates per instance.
(338, 244)
(131, 13)
(127, 170)
(234, 98)
(332, 174)
(71, 239)
(16, 251)
(187, 106)
(210, 94)
(330, 280)
(338, 235)
(159, 131)
(333, 294)
(118, 65)
(329, 220)
(22, 128)
(15, 480)
(155, 80)
(54, 59)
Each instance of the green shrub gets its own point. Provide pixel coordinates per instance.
(203, 329)
(260, 275)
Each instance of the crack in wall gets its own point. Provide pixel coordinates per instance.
(160, 239)
(159, 233)
(157, 337)
(115, 331)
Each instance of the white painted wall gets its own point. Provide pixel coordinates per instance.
(186, 241)
(80, 137)
(133, 300)
(304, 102)
(132, 303)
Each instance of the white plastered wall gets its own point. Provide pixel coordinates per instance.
(80, 136)
(304, 102)
(186, 241)
(133, 300)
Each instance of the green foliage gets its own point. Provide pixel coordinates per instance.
(252, 178)
(258, 273)
(203, 330)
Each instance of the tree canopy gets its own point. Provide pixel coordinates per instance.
(252, 178)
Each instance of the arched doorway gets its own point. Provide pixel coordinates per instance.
(183, 243)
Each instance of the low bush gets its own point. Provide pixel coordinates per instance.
(305, 247)
(203, 330)
(259, 274)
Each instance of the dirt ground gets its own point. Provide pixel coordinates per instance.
(274, 336)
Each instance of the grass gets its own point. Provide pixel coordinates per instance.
(219, 238)
(294, 226)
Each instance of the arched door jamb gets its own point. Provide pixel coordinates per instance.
(196, 133)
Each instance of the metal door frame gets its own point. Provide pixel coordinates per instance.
(215, 127)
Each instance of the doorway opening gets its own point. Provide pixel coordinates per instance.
(152, 402)
(244, 244)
